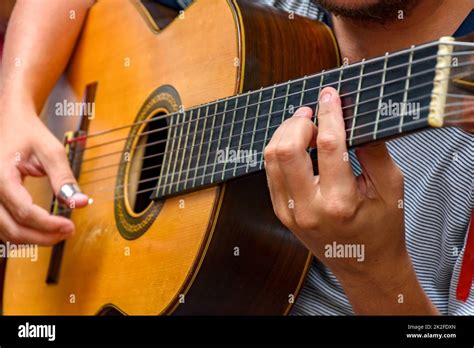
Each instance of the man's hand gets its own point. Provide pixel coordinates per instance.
(29, 149)
(337, 209)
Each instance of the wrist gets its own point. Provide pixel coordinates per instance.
(391, 289)
(14, 98)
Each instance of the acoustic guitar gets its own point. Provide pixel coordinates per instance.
(175, 111)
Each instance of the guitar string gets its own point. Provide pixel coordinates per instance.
(215, 103)
(241, 121)
(321, 74)
(198, 156)
(241, 134)
(83, 160)
(185, 149)
(195, 169)
(271, 100)
(108, 200)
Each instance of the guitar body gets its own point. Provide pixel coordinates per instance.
(219, 250)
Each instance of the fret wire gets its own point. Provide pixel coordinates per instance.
(254, 129)
(230, 135)
(407, 86)
(209, 146)
(286, 102)
(316, 108)
(193, 144)
(339, 82)
(177, 150)
(302, 91)
(185, 148)
(381, 95)
(172, 151)
(270, 111)
(356, 108)
(243, 128)
(165, 158)
(219, 140)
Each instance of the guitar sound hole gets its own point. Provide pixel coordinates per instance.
(146, 163)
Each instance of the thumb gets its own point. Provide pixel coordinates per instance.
(52, 156)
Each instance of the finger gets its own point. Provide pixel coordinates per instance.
(52, 157)
(379, 169)
(276, 182)
(12, 232)
(335, 171)
(17, 200)
(293, 158)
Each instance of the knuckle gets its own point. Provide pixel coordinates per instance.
(284, 218)
(63, 178)
(56, 150)
(12, 235)
(327, 141)
(305, 222)
(269, 153)
(339, 210)
(23, 213)
(285, 152)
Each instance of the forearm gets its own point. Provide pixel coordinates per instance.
(391, 290)
(40, 38)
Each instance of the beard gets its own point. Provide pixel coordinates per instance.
(377, 11)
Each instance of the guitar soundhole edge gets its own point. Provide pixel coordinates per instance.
(139, 172)
(145, 164)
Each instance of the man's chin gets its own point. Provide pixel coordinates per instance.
(379, 11)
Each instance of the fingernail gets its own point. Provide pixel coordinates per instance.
(298, 113)
(79, 199)
(67, 230)
(326, 97)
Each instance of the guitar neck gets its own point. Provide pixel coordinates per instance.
(382, 98)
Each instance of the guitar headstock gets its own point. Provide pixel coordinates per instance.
(455, 79)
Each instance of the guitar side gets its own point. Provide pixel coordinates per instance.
(186, 262)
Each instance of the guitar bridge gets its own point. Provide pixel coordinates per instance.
(74, 151)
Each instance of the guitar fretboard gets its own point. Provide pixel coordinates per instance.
(382, 98)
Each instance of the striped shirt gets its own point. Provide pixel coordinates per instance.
(439, 198)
